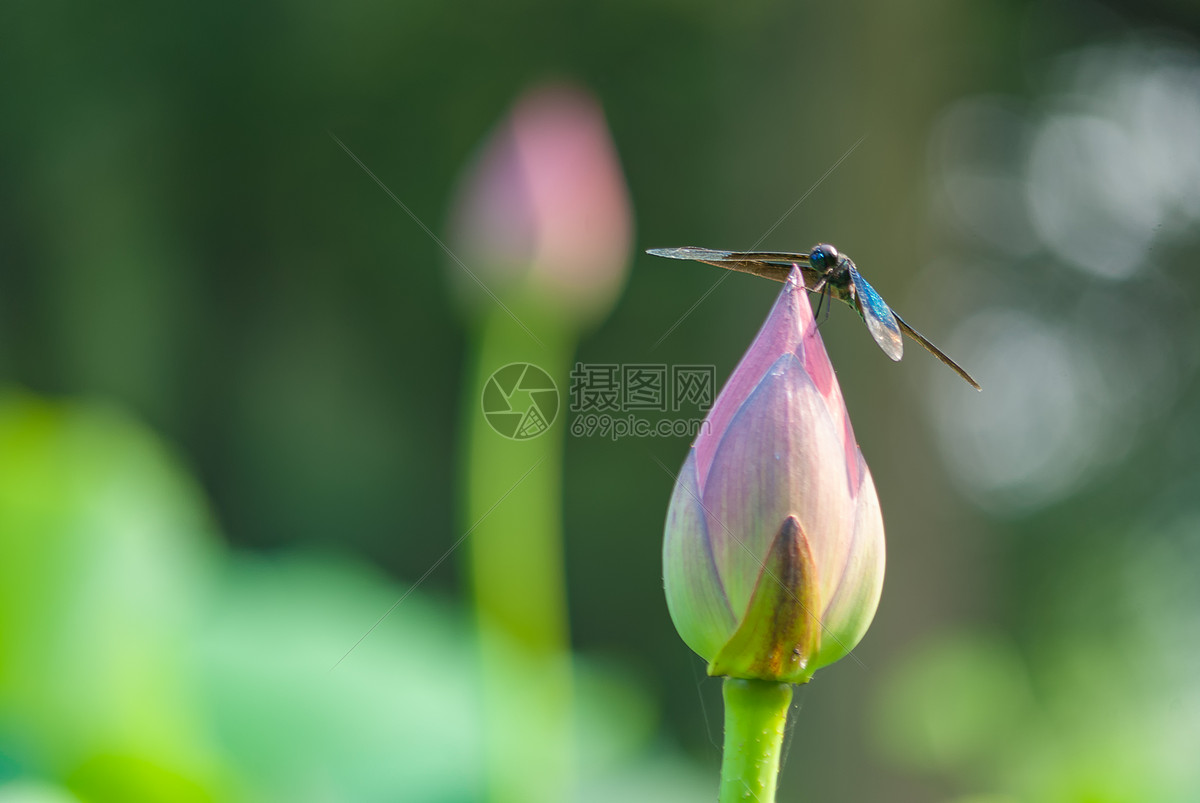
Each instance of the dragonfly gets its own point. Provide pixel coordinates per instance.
(826, 272)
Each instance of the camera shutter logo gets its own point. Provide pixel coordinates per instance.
(520, 401)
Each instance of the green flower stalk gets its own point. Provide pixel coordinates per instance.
(774, 551)
(543, 226)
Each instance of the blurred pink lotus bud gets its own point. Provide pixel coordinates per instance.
(543, 209)
(773, 553)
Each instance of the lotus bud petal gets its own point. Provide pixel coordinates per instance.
(774, 551)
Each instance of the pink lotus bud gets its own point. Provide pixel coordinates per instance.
(773, 553)
(544, 207)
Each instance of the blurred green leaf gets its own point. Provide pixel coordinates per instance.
(399, 716)
(107, 547)
(396, 719)
(34, 792)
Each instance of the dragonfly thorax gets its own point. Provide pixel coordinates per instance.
(834, 271)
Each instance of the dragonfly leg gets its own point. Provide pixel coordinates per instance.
(822, 289)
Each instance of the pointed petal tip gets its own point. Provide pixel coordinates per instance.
(795, 279)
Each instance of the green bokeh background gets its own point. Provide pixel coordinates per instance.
(234, 368)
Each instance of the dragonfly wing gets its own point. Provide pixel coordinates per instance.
(688, 252)
(881, 323)
(775, 265)
(935, 351)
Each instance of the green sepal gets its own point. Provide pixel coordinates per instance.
(780, 631)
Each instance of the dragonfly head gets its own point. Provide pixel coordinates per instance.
(824, 257)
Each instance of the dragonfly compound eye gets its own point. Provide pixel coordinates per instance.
(823, 257)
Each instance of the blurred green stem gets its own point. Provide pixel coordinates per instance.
(513, 500)
(755, 716)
